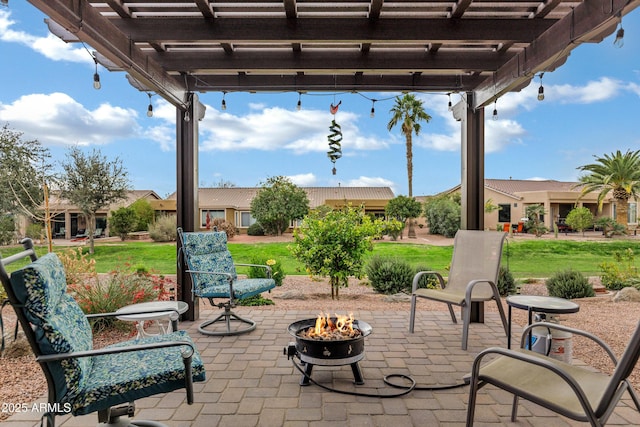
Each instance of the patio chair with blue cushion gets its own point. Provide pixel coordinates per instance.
(80, 379)
(213, 276)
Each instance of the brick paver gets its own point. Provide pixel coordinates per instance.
(251, 383)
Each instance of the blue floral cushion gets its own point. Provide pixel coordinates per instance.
(60, 324)
(125, 377)
(207, 252)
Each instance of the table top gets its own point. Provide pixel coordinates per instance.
(542, 304)
(181, 306)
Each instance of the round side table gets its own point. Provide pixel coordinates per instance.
(538, 304)
(153, 310)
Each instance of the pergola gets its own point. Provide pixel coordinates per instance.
(481, 49)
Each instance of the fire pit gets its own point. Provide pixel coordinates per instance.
(329, 341)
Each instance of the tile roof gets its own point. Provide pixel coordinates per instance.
(240, 197)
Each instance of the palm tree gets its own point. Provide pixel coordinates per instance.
(616, 173)
(410, 112)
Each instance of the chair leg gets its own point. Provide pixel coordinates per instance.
(227, 317)
(514, 409)
(466, 319)
(452, 313)
(471, 407)
(412, 313)
(634, 396)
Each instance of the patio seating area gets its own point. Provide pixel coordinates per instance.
(250, 382)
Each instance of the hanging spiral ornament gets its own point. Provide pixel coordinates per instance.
(335, 148)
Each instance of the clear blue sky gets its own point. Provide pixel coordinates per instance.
(592, 107)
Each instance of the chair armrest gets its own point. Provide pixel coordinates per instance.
(542, 361)
(474, 282)
(128, 313)
(556, 326)
(215, 273)
(188, 354)
(418, 276)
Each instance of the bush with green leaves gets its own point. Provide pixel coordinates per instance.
(145, 214)
(122, 222)
(255, 229)
(610, 227)
(392, 228)
(7, 230)
(389, 275)
(569, 284)
(221, 225)
(506, 283)
(620, 273)
(277, 271)
(164, 229)
(334, 243)
(443, 215)
(35, 232)
(579, 219)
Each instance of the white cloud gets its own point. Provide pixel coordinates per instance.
(276, 128)
(58, 119)
(594, 91)
(51, 46)
(371, 181)
(304, 180)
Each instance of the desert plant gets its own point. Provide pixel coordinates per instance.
(118, 289)
(255, 229)
(506, 283)
(221, 225)
(443, 215)
(277, 271)
(164, 229)
(78, 267)
(610, 227)
(392, 228)
(389, 275)
(569, 284)
(35, 231)
(534, 225)
(620, 273)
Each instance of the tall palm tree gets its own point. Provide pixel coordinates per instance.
(410, 112)
(616, 173)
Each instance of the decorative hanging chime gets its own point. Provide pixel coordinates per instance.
(335, 148)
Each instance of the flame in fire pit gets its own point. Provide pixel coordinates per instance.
(332, 328)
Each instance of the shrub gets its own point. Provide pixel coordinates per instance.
(123, 221)
(389, 275)
(255, 229)
(579, 219)
(7, 229)
(221, 225)
(506, 283)
(428, 281)
(164, 229)
(392, 228)
(77, 266)
(35, 231)
(443, 215)
(277, 272)
(118, 289)
(255, 301)
(620, 273)
(569, 284)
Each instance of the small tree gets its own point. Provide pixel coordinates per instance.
(579, 219)
(443, 215)
(403, 208)
(534, 223)
(277, 203)
(145, 214)
(334, 244)
(92, 182)
(123, 221)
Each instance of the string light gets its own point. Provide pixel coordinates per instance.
(299, 104)
(541, 89)
(150, 107)
(223, 105)
(495, 110)
(449, 105)
(96, 76)
(373, 108)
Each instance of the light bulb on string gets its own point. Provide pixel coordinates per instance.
(187, 117)
(619, 40)
(449, 105)
(96, 76)
(299, 104)
(223, 104)
(495, 110)
(373, 108)
(150, 107)
(541, 89)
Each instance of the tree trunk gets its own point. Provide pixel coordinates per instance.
(409, 160)
(91, 227)
(622, 206)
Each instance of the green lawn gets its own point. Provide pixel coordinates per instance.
(530, 258)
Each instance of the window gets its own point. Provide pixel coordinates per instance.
(212, 215)
(632, 213)
(504, 213)
(245, 219)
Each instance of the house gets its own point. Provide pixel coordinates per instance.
(513, 196)
(234, 203)
(68, 221)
